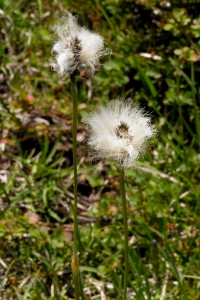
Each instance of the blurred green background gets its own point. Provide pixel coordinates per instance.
(155, 60)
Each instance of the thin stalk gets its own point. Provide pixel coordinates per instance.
(124, 206)
(196, 116)
(75, 261)
(181, 141)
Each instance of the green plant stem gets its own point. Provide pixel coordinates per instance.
(125, 232)
(75, 262)
(196, 116)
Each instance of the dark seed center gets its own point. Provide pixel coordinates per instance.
(122, 131)
(76, 45)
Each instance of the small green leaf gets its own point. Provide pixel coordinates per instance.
(177, 51)
(168, 27)
(178, 13)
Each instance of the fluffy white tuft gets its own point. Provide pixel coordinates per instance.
(119, 131)
(76, 48)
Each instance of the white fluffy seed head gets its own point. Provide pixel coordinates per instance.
(119, 131)
(76, 48)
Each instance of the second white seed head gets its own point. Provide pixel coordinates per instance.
(119, 131)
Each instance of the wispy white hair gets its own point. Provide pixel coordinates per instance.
(77, 48)
(119, 131)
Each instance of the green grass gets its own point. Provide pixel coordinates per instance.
(36, 173)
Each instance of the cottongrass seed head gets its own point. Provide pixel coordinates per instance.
(76, 48)
(119, 131)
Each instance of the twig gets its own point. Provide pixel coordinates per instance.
(162, 175)
(164, 288)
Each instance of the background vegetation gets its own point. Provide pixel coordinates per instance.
(155, 60)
